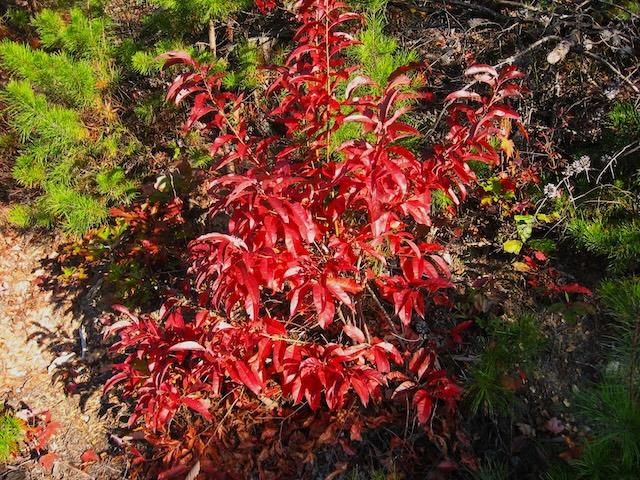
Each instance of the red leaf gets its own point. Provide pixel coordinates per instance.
(187, 346)
(48, 460)
(422, 402)
(420, 362)
(354, 333)
(458, 329)
(463, 94)
(355, 432)
(404, 386)
(89, 456)
(113, 380)
(199, 405)
(356, 82)
(480, 68)
(176, 57)
(43, 437)
(336, 287)
(173, 472)
(361, 389)
(540, 256)
(575, 288)
(248, 377)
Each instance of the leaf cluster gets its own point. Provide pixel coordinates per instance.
(305, 234)
(203, 10)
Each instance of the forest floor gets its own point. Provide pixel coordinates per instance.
(39, 338)
(43, 368)
(52, 357)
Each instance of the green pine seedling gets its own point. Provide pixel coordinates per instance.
(114, 184)
(20, 216)
(484, 391)
(81, 36)
(34, 117)
(57, 75)
(203, 10)
(510, 344)
(11, 435)
(622, 299)
(492, 470)
(614, 449)
(379, 54)
(78, 212)
(619, 242)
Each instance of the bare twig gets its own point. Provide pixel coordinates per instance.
(613, 68)
(531, 47)
(627, 150)
(212, 38)
(510, 3)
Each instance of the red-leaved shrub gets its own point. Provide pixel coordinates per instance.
(321, 240)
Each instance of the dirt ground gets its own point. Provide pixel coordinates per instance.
(38, 332)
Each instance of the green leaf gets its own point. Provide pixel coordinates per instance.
(524, 226)
(512, 246)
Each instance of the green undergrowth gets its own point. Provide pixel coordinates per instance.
(619, 242)
(71, 142)
(63, 104)
(11, 435)
(508, 351)
(605, 220)
(610, 407)
(378, 55)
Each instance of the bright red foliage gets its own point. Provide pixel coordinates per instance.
(315, 231)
